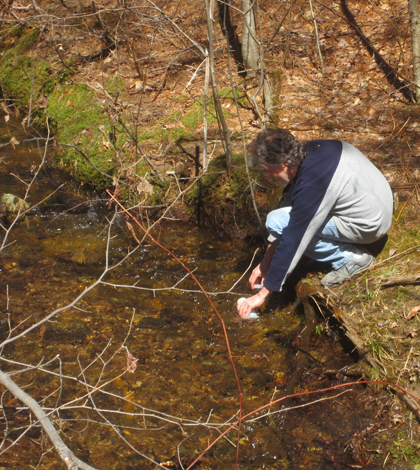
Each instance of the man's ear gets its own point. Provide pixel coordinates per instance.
(291, 171)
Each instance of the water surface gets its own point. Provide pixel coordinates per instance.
(183, 393)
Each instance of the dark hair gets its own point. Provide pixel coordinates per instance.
(274, 147)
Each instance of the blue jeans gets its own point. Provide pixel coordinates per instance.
(328, 244)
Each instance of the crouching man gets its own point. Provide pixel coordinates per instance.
(335, 201)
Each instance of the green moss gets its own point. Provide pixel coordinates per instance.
(115, 85)
(27, 41)
(218, 188)
(12, 30)
(174, 117)
(79, 120)
(22, 78)
(190, 120)
(75, 114)
(226, 95)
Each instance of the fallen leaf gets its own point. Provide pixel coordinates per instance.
(131, 362)
(392, 251)
(6, 118)
(14, 142)
(144, 186)
(342, 43)
(413, 312)
(105, 144)
(69, 103)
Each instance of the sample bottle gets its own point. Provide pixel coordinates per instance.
(253, 315)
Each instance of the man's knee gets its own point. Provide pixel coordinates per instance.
(277, 220)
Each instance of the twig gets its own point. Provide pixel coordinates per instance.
(66, 455)
(283, 410)
(147, 232)
(317, 39)
(311, 392)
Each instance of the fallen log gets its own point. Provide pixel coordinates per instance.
(406, 279)
(308, 290)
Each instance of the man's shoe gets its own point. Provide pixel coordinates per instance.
(356, 264)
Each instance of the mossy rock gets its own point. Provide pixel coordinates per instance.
(81, 122)
(77, 117)
(23, 78)
(10, 206)
(222, 199)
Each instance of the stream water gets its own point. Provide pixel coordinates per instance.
(183, 393)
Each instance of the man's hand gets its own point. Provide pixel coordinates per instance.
(257, 276)
(245, 307)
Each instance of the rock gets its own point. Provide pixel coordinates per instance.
(9, 207)
(74, 331)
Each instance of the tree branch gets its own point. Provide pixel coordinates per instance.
(66, 455)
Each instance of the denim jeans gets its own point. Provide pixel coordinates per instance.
(328, 244)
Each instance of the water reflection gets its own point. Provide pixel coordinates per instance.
(184, 389)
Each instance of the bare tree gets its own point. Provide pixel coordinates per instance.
(250, 45)
(413, 7)
(209, 6)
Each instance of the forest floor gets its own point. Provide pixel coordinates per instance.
(350, 100)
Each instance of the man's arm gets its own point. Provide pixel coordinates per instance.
(257, 277)
(258, 274)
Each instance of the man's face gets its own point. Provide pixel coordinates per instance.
(282, 173)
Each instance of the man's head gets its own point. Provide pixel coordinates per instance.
(273, 149)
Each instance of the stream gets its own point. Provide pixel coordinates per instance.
(183, 394)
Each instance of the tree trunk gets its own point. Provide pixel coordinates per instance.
(229, 30)
(217, 104)
(250, 47)
(413, 8)
(272, 86)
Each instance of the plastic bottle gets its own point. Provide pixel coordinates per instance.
(253, 315)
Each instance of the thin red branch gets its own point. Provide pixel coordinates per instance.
(204, 292)
(238, 422)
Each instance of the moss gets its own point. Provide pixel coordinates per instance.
(226, 95)
(75, 114)
(160, 188)
(79, 120)
(115, 85)
(20, 76)
(17, 75)
(27, 41)
(178, 125)
(224, 197)
(14, 29)
(174, 117)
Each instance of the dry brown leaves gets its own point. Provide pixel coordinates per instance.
(415, 311)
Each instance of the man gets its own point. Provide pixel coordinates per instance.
(335, 201)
